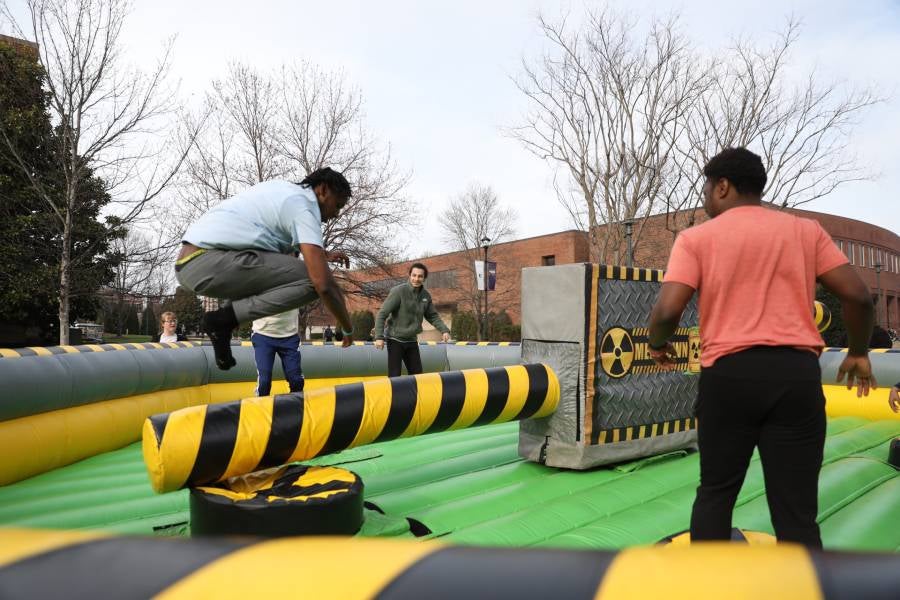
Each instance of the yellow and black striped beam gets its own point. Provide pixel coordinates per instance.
(57, 564)
(205, 444)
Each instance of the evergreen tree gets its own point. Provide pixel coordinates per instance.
(363, 323)
(187, 307)
(836, 334)
(30, 236)
(149, 321)
(464, 326)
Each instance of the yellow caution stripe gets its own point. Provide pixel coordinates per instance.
(637, 432)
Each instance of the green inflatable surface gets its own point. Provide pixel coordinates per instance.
(470, 487)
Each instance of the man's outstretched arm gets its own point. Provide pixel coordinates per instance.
(859, 314)
(664, 319)
(327, 288)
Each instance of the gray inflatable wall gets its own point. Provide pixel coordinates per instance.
(589, 323)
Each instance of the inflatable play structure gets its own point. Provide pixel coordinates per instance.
(564, 452)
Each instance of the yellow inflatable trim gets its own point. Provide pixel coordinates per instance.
(39, 443)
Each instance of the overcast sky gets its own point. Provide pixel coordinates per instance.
(436, 80)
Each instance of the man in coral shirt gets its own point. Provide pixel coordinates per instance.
(755, 270)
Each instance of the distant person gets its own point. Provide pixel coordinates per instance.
(168, 324)
(755, 269)
(328, 334)
(402, 313)
(241, 251)
(277, 335)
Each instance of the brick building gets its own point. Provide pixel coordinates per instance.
(451, 280)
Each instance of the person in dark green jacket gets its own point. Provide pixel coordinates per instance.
(402, 313)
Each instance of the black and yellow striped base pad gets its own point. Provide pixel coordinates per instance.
(68, 564)
(291, 500)
(204, 444)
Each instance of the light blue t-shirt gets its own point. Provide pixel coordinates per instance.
(276, 216)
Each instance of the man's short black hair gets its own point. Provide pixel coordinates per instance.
(335, 181)
(418, 266)
(742, 168)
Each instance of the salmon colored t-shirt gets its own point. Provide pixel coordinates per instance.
(755, 270)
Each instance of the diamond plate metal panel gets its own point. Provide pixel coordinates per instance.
(636, 397)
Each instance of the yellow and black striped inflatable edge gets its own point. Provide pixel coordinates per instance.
(53, 350)
(204, 444)
(69, 564)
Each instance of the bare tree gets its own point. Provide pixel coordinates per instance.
(142, 273)
(800, 129)
(109, 119)
(323, 125)
(471, 217)
(632, 117)
(609, 109)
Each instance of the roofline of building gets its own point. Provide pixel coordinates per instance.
(14, 40)
(515, 241)
(866, 223)
(810, 213)
(803, 211)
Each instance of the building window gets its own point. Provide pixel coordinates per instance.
(840, 244)
(436, 280)
(380, 287)
(850, 253)
(442, 279)
(862, 255)
(872, 257)
(549, 260)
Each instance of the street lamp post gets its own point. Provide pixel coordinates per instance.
(629, 229)
(485, 243)
(877, 267)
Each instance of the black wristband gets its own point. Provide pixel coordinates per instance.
(652, 347)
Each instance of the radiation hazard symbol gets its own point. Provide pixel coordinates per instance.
(616, 352)
(694, 350)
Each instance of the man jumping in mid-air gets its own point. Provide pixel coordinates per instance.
(242, 251)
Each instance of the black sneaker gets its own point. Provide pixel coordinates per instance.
(218, 325)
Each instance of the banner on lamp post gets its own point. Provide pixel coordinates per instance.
(479, 275)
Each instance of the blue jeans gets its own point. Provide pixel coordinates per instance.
(265, 348)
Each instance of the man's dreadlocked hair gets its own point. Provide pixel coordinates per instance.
(335, 181)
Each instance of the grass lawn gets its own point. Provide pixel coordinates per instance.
(124, 339)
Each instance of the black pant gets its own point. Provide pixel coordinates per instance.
(770, 398)
(408, 353)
